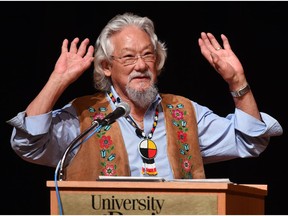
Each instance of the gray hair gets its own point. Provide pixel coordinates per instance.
(104, 48)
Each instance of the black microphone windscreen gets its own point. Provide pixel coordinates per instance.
(126, 107)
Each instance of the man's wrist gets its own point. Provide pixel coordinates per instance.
(240, 92)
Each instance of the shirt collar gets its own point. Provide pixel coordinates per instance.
(156, 101)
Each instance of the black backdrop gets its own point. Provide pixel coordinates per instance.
(31, 37)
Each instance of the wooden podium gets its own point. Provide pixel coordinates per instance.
(166, 198)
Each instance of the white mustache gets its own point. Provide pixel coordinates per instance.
(134, 74)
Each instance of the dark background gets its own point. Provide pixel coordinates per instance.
(31, 36)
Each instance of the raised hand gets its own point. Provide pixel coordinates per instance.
(225, 62)
(69, 67)
(73, 62)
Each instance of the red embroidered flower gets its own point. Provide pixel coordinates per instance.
(182, 136)
(109, 170)
(105, 142)
(186, 165)
(98, 116)
(177, 114)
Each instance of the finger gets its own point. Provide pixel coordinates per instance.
(205, 49)
(206, 42)
(226, 43)
(214, 42)
(89, 55)
(73, 46)
(83, 47)
(64, 47)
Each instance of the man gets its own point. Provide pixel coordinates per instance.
(164, 135)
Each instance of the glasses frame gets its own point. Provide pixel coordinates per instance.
(121, 59)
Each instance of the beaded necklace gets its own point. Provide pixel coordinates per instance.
(147, 147)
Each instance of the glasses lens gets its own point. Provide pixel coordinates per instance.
(129, 60)
(148, 58)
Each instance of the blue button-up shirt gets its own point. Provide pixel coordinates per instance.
(44, 138)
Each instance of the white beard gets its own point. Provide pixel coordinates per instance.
(142, 98)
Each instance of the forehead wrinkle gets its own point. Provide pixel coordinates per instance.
(128, 49)
(131, 39)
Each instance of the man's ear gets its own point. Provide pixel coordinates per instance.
(106, 68)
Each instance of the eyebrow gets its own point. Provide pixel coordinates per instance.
(129, 49)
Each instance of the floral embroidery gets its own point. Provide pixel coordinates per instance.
(180, 106)
(186, 165)
(177, 114)
(182, 136)
(98, 116)
(105, 142)
(109, 170)
(178, 121)
(91, 109)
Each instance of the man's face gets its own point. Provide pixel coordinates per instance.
(142, 74)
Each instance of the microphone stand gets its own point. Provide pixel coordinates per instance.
(95, 124)
(122, 109)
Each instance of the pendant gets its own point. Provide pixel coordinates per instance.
(148, 151)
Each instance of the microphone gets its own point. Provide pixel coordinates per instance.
(123, 109)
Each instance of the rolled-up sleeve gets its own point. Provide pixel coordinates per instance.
(31, 136)
(236, 135)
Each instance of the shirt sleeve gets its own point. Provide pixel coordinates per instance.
(31, 137)
(236, 135)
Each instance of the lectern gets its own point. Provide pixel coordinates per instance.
(160, 198)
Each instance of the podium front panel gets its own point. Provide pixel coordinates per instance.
(159, 198)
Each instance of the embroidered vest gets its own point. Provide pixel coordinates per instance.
(104, 153)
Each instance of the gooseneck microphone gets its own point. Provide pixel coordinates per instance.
(122, 109)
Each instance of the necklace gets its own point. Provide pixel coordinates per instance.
(147, 147)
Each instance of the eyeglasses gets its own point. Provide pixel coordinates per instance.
(130, 60)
